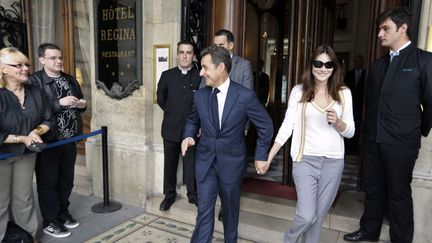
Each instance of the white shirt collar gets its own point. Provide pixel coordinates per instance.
(223, 88)
(400, 49)
(184, 70)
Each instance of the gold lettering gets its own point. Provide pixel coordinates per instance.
(104, 14)
(118, 34)
(111, 14)
(117, 54)
(131, 15)
(118, 13)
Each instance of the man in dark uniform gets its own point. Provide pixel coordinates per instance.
(398, 100)
(174, 95)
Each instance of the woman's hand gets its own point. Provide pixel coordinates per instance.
(261, 166)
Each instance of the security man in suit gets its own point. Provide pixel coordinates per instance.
(222, 110)
(398, 100)
(241, 70)
(174, 95)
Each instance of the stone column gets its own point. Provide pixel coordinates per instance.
(422, 175)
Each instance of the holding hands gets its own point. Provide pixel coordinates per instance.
(262, 166)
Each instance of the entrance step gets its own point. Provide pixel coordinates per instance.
(265, 219)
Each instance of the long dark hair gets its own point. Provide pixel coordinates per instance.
(334, 83)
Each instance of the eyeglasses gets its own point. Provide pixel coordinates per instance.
(319, 64)
(19, 65)
(54, 58)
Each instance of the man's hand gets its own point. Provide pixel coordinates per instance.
(261, 166)
(68, 101)
(186, 143)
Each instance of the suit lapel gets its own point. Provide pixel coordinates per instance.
(231, 98)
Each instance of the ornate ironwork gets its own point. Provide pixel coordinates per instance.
(194, 23)
(12, 27)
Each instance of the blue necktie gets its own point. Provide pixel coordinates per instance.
(393, 55)
(214, 108)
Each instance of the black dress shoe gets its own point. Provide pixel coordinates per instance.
(192, 200)
(359, 235)
(166, 204)
(220, 216)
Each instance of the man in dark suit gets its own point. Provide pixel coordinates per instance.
(398, 100)
(222, 110)
(174, 95)
(355, 79)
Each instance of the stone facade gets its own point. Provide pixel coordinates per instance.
(135, 144)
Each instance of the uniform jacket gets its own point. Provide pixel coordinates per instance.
(394, 95)
(175, 97)
(227, 147)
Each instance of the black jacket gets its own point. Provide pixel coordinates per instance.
(43, 81)
(394, 95)
(175, 96)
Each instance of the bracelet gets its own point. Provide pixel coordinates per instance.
(17, 139)
(39, 130)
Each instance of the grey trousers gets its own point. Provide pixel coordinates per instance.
(317, 181)
(16, 194)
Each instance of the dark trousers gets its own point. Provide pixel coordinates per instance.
(208, 190)
(54, 177)
(172, 152)
(387, 173)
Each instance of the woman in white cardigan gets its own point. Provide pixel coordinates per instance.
(319, 116)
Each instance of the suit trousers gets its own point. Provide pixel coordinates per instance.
(208, 190)
(55, 170)
(171, 158)
(387, 172)
(16, 194)
(317, 181)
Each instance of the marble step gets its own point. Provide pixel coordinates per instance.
(343, 217)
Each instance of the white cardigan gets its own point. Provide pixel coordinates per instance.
(312, 135)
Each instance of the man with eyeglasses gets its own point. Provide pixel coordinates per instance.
(55, 166)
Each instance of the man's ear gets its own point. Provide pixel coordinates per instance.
(230, 46)
(42, 60)
(403, 28)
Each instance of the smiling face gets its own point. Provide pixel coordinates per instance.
(391, 36)
(322, 74)
(15, 67)
(214, 75)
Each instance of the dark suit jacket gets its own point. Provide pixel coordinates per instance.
(394, 95)
(174, 96)
(228, 146)
(357, 92)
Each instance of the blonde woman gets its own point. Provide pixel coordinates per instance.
(319, 116)
(24, 117)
